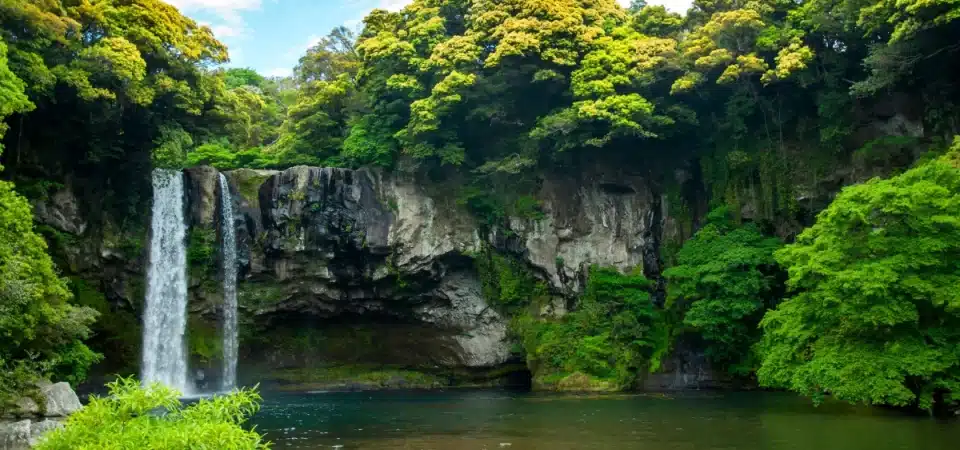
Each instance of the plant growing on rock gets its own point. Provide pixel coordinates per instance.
(615, 334)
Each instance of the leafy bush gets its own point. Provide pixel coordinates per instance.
(222, 155)
(507, 283)
(202, 248)
(218, 154)
(613, 335)
(152, 418)
(171, 148)
(723, 282)
(875, 312)
(40, 332)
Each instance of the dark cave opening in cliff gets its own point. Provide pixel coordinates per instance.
(520, 380)
(310, 342)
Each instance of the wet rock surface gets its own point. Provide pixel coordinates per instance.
(28, 422)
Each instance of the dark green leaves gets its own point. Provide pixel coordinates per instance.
(723, 282)
(875, 311)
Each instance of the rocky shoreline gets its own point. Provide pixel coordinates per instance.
(35, 415)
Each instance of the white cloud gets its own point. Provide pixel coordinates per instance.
(216, 5)
(224, 30)
(230, 22)
(394, 5)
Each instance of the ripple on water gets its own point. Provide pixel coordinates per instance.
(496, 420)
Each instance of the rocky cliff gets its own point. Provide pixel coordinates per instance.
(364, 268)
(361, 267)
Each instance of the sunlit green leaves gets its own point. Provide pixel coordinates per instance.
(153, 418)
(615, 334)
(875, 312)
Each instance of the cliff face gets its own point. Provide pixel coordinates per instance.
(366, 267)
(361, 267)
(349, 248)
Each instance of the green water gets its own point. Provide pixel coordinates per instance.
(501, 420)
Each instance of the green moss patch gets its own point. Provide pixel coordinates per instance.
(574, 382)
(355, 377)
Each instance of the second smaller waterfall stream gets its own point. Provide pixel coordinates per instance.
(229, 249)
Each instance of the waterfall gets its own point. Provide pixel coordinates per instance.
(229, 248)
(165, 316)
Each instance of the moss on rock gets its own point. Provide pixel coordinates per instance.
(574, 382)
(355, 378)
(248, 183)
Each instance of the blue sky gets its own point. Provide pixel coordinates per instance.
(271, 35)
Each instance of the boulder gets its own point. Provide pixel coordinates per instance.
(60, 399)
(38, 429)
(61, 211)
(26, 433)
(15, 435)
(26, 407)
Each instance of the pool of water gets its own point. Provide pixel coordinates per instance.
(460, 420)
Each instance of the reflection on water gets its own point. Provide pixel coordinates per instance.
(477, 420)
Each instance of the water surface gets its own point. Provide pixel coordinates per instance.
(460, 420)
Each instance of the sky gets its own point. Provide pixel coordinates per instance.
(271, 35)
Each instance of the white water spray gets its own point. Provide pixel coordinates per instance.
(165, 316)
(229, 248)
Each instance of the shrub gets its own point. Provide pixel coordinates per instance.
(40, 332)
(875, 312)
(615, 334)
(153, 418)
(724, 280)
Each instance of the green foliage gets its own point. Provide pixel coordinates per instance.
(614, 335)
(374, 376)
(39, 328)
(112, 82)
(18, 379)
(722, 283)
(507, 282)
(12, 98)
(202, 248)
(129, 418)
(239, 77)
(204, 342)
(873, 317)
(171, 148)
(116, 333)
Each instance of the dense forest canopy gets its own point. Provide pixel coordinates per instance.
(762, 99)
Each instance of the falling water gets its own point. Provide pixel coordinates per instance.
(165, 317)
(229, 248)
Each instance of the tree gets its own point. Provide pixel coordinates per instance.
(111, 77)
(319, 121)
(723, 282)
(333, 56)
(129, 418)
(873, 317)
(239, 77)
(637, 6)
(40, 332)
(12, 97)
